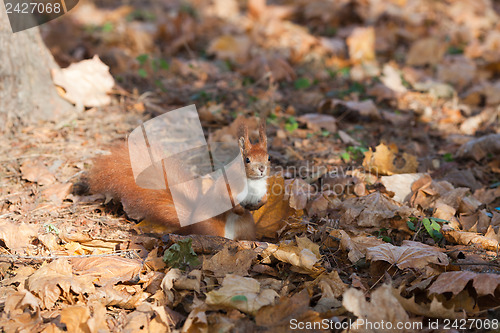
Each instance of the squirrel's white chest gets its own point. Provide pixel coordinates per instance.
(257, 188)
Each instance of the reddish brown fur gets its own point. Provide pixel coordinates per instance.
(112, 175)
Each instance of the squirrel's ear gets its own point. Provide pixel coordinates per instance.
(243, 139)
(241, 143)
(262, 133)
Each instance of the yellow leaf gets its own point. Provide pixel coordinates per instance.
(385, 162)
(271, 217)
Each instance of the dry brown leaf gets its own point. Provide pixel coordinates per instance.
(455, 282)
(435, 309)
(75, 318)
(373, 210)
(458, 71)
(272, 216)
(303, 255)
(480, 147)
(150, 318)
(469, 238)
(37, 172)
(297, 192)
(392, 79)
(383, 306)
(17, 237)
(196, 322)
(117, 296)
(427, 51)
(275, 65)
(175, 278)
(332, 287)
(86, 83)
(318, 121)
(400, 185)
(57, 192)
(244, 294)
(228, 47)
(107, 270)
(21, 313)
(366, 108)
(409, 255)
(277, 318)
(361, 44)
(356, 246)
(228, 262)
(51, 280)
(385, 161)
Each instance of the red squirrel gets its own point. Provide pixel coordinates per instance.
(112, 175)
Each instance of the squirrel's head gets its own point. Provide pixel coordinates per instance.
(255, 157)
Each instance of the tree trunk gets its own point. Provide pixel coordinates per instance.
(27, 93)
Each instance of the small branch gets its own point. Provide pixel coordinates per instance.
(204, 244)
(125, 253)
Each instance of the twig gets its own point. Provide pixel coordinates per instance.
(113, 254)
(204, 244)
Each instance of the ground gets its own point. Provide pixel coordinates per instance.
(383, 128)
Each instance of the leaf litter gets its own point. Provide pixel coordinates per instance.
(387, 108)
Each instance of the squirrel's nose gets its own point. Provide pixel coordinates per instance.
(262, 168)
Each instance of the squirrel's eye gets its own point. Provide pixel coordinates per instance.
(269, 158)
(247, 160)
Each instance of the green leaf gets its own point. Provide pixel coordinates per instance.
(49, 228)
(448, 157)
(291, 124)
(181, 255)
(239, 298)
(142, 59)
(346, 157)
(433, 228)
(427, 224)
(302, 83)
(411, 225)
(164, 64)
(107, 27)
(325, 133)
(142, 73)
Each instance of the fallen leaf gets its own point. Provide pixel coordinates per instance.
(273, 215)
(75, 318)
(297, 192)
(107, 270)
(480, 147)
(392, 79)
(318, 121)
(277, 317)
(241, 293)
(373, 210)
(469, 238)
(57, 192)
(302, 256)
(409, 255)
(229, 262)
(175, 278)
(86, 83)
(228, 47)
(17, 237)
(426, 51)
(400, 185)
(361, 44)
(37, 172)
(455, 282)
(274, 65)
(385, 161)
(383, 306)
(51, 280)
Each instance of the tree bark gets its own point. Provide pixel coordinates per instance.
(27, 93)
